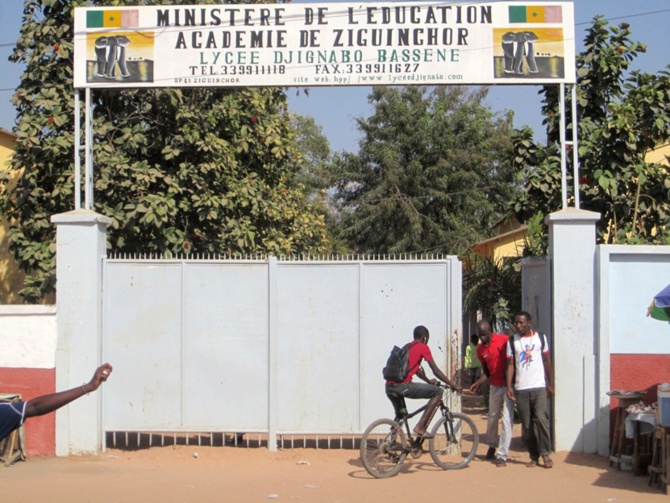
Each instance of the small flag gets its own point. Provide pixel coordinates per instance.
(112, 18)
(535, 14)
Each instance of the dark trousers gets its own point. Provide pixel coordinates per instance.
(398, 392)
(534, 415)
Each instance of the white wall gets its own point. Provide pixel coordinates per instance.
(28, 336)
(636, 274)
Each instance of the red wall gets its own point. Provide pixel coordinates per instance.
(639, 372)
(40, 432)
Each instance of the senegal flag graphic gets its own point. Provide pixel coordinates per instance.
(535, 14)
(112, 18)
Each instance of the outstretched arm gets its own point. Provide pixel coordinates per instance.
(441, 376)
(48, 403)
(482, 379)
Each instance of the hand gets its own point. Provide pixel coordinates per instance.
(510, 394)
(458, 389)
(473, 389)
(432, 381)
(101, 374)
(550, 390)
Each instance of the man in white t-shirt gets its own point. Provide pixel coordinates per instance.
(530, 380)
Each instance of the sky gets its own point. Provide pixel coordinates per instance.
(336, 109)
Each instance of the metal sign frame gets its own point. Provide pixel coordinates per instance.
(167, 46)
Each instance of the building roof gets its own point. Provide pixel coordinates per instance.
(8, 133)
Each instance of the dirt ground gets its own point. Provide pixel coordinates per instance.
(240, 474)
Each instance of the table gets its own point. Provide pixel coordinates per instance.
(616, 450)
(640, 426)
(12, 448)
(658, 469)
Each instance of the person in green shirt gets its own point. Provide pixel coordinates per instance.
(473, 367)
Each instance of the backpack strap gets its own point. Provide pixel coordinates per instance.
(409, 345)
(542, 337)
(510, 342)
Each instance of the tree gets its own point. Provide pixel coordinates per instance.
(492, 287)
(315, 173)
(192, 170)
(429, 175)
(622, 116)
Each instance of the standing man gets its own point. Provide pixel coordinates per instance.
(492, 352)
(419, 352)
(530, 380)
(12, 415)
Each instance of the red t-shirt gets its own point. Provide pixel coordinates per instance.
(494, 356)
(418, 352)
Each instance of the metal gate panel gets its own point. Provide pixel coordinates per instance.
(272, 346)
(395, 300)
(142, 338)
(317, 348)
(225, 378)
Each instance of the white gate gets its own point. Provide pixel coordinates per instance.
(266, 347)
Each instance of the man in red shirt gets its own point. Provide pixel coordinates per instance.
(492, 352)
(419, 352)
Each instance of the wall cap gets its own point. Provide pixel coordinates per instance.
(81, 216)
(27, 310)
(572, 215)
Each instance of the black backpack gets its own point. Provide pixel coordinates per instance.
(397, 365)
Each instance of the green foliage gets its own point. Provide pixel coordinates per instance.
(428, 177)
(315, 169)
(536, 240)
(492, 288)
(622, 117)
(192, 170)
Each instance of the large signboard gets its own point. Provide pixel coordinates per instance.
(324, 44)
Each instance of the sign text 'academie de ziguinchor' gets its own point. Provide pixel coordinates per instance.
(324, 44)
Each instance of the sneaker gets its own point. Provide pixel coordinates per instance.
(500, 463)
(491, 453)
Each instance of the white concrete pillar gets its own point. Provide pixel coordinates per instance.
(572, 249)
(80, 248)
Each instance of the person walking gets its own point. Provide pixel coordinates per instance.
(492, 352)
(530, 381)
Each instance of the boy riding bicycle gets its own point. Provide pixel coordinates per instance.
(397, 391)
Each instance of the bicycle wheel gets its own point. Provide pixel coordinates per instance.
(454, 442)
(383, 448)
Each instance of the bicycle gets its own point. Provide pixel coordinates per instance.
(386, 442)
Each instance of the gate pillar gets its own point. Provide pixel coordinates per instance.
(572, 248)
(80, 248)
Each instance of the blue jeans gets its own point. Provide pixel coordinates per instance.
(534, 415)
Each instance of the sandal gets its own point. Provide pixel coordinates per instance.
(531, 464)
(548, 463)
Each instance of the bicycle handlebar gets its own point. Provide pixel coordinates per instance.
(445, 386)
